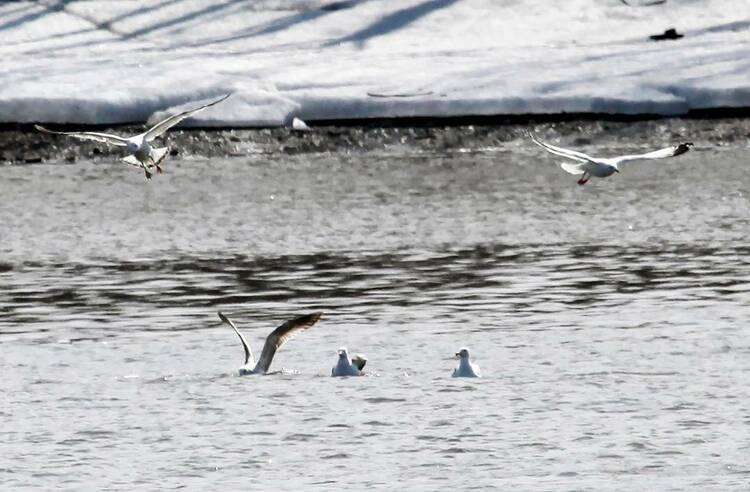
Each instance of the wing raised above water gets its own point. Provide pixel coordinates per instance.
(248, 352)
(280, 335)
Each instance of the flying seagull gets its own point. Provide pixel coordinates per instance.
(601, 167)
(348, 367)
(274, 341)
(139, 147)
(465, 369)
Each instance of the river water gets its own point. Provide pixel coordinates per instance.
(610, 322)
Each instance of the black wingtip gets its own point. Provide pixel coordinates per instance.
(222, 317)
(218, 100)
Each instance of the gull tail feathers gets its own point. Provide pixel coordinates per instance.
(158, 155)
(131, 160)
(359, 361)
(572, 168)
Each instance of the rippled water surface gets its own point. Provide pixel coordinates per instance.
(610, 322)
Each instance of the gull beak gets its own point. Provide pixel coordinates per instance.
(458, 355)
(617, 170)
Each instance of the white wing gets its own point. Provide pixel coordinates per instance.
(97, 137)
(656, 154)
(248, 352)
(570, 154)
(163, 126)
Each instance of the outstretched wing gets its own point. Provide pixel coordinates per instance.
(570, 154)
(280, 335)
(656, 154)
(163, 126)
(248, 352)
(97, 137)
(359, 360)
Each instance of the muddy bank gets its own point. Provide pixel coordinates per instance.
(24, 145)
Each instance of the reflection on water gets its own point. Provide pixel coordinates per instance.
(610, 321)
(518, 280)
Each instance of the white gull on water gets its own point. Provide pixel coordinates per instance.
(601, 167)
(274, 341)
(465, 369)
(346, 366)
(139, 146)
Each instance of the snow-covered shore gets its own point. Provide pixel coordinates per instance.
(120, 61)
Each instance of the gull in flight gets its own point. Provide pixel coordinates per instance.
(274, 341)
(142, 154)
(601, 167)
(465, 369)
(348, 367)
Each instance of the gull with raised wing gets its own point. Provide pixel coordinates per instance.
(142, 154)
(601, 167)
(348, 367)
(465, 369)
(274, 341)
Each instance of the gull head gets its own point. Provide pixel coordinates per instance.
(463, 353)
(682, 148)
(343, 353)
(132, 146)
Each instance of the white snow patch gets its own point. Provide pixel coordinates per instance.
(118, 61)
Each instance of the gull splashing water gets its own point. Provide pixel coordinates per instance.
(274, 341)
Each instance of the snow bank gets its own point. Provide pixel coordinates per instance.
(118, 61)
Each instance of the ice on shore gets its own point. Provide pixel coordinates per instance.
(113, 61)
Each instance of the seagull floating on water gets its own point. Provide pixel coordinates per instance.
(465, 369)
(348, 367)
(601, 167)
(274, 341)
(139, 147)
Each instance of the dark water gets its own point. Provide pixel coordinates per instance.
(610, 322)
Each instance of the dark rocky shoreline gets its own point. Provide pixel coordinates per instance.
(24, 145)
